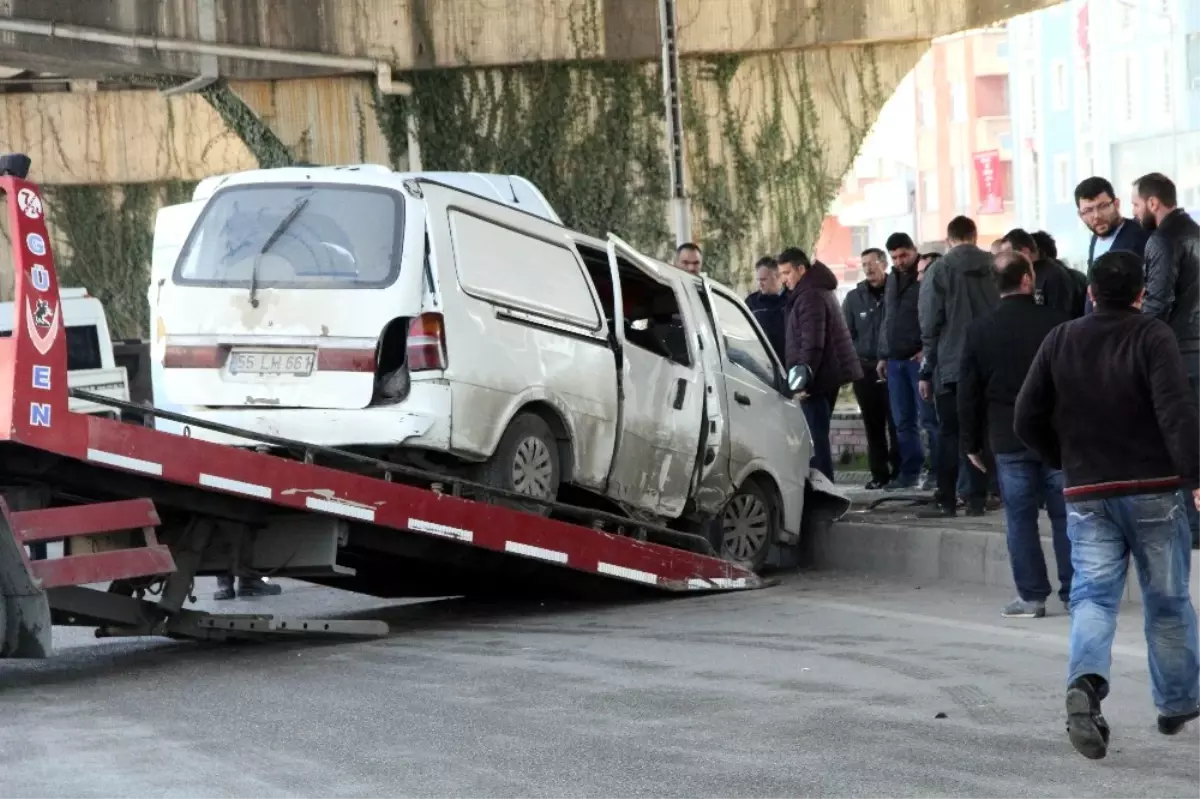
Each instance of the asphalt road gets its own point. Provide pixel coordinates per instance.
(823, 686)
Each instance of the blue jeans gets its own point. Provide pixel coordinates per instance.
(905, 399)
(1153, 529)
(818, 412)
(1025, 481)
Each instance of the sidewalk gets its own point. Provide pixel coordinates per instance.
(891, 542)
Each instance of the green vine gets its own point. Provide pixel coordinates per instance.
(591, 137)
(260, 140)
(108, 236)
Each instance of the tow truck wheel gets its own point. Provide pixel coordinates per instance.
(749, 524)
(525, 462)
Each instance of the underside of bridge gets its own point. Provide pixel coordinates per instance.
(124, 104)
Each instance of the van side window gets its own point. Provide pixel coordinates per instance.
(742, 342)
(653, 321)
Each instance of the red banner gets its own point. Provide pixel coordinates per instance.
(990, 182)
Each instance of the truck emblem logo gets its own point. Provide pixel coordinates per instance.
(42, 323)
(40, 277)
(36, 244)
(29, 203)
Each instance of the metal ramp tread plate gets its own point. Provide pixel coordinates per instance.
(36, 414)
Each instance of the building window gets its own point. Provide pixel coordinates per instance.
(962, 190)
(1031, 99)
(1083, 95)
(1060, 89)
(1125, 85)
(927, 108)
(929, 191)
(958, 102)
(1087, 159)
(1063, 190)
(1168, 89)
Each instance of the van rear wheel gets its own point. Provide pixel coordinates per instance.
(525, 462)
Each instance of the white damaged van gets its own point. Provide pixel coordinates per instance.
(450, 321)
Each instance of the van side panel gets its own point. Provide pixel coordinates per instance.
(525, 328)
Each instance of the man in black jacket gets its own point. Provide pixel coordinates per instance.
(769, 303)
(957, 290)
(1173, 279)
(1048, 249)
(998, 351)
(900, 355)
(863, 309)
(1053, 284)
(1106, 400)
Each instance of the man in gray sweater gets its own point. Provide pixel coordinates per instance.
(960, 290)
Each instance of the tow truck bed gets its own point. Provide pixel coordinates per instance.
(148, 511)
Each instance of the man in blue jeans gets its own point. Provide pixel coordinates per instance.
(1107, 400)
(900, 356)
(997, 353)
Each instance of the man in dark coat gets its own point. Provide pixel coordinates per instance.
(769, 303)
(1107, 401)
(996, 357)
(863, 309)
(1100, 209)
(817, 338)
(959, 289)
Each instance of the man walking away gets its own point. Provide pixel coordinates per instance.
(1173, 279)
(1053, 284)
(1048, 249)
(1107, 401)
(769, 303)
(1100, 209)
(996, 357)
(817, 338)
(959, 290)
(863, 309)
(900, 355)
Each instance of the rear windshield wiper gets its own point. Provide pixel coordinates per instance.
(270, 242)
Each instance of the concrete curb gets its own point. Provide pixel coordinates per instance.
(925, 554)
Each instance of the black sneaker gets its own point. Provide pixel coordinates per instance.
(902, 484)
(1173, 725)
(223, 593)
(976, 510)
(1086, 727)
(937, 512)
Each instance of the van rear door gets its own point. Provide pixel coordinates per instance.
(281, 291)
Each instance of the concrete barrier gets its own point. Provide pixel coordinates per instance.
(964, 551)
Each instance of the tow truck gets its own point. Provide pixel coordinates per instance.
(141, 513)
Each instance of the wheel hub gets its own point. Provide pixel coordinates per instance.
(744, 527)
(533, 469)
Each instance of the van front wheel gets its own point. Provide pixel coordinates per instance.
(525, 462)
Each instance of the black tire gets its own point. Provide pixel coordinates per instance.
(525, 462)
(748, 526)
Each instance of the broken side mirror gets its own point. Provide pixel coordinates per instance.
(798, 379)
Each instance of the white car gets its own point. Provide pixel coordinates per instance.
(450, 321)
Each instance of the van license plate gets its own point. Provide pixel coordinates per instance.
(243, 362)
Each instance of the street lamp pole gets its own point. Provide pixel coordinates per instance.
(668, 40)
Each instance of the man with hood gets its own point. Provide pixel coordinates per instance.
(816, 337)
(960, 290)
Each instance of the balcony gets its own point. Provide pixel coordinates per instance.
(994, 133)
(990, 53)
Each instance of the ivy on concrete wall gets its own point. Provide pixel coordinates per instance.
(591, 137)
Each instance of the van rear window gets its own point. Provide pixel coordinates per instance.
(295, 236)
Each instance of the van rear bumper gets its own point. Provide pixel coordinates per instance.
(421, 420)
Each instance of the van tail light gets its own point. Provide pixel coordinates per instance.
(426, 343)
(194, 357)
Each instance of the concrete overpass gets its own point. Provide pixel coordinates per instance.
(777, 95)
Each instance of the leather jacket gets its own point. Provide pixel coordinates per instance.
(1173, 278)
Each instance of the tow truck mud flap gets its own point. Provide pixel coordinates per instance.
(824, 504)
(24, 610)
